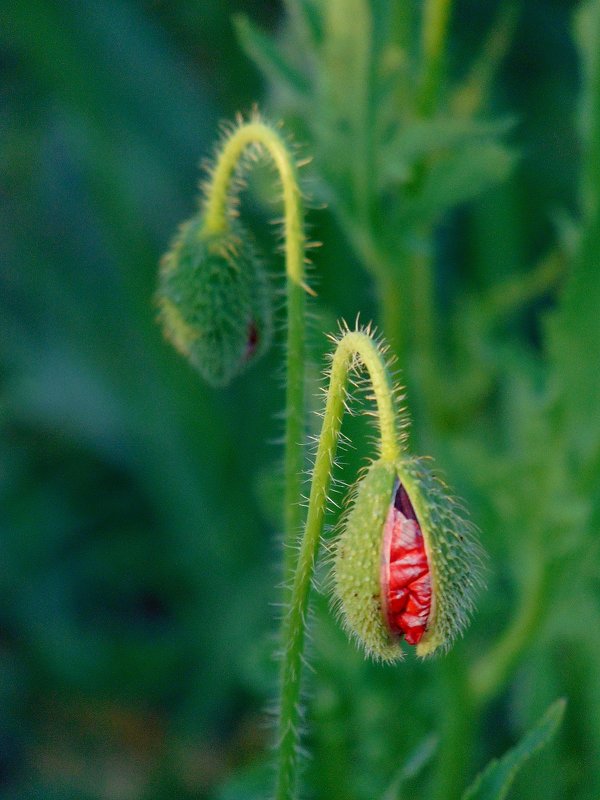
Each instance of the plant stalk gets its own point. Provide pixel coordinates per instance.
(457, 730)
(351, 345)
(217, 218)
(436, 15)
(493, 668)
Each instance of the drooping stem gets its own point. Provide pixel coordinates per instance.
(353, 346)
(217, 218)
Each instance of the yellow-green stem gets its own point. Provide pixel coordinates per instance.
(217, 218)
(352, 345)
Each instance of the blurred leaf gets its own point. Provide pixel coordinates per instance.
(586, 34)
(416, 761)
(268, 56)
(250, 783)
(497, 778)
(475, 90)
(420, 757)
(574, 331)
(425, 138)
(305, 15)
(346, 102)
(461, 177)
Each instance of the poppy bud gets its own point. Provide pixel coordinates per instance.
(214, 300)
(406, 563)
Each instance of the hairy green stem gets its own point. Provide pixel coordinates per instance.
(352, 345)
(216, 220)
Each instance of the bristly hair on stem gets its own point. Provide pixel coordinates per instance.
(352, 349)
(358, 554)
(213, 296)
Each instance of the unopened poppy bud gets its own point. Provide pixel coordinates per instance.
(406, 563)
(214, 300)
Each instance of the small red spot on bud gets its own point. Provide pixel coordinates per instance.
(252, 340)
(405, 576)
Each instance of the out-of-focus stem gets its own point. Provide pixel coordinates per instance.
(456, 731)
(436, 14)
(490, 673)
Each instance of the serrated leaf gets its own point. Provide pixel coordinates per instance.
(497, 778)
(268, 57)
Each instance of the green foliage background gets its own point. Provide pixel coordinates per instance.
(139, 509)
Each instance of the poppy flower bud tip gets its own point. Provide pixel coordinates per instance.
(406, 564)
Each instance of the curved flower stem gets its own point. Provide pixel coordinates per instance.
(353, 345)
(217, 217)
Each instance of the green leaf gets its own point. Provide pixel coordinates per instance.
(348, 28)
(413, 766)
(347, 85)
(472, 93)
(247, 783)
(585, 33)
(268, 57)
(574, 331)
(306, 19)
(460, 177)
(497, 778)
(425, 138)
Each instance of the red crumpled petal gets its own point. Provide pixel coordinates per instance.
(405, 575)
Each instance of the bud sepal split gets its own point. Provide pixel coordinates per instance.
(407, 562)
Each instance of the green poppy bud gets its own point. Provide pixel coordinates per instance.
(214, 300)
(406, 564)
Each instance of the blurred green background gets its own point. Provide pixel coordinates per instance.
(139, 514)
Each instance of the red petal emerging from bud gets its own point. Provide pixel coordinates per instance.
(252, 340)
(405, 577)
